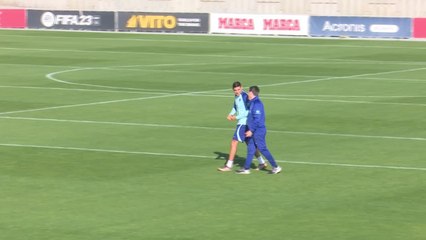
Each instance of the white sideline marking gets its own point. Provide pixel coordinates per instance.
(207, 157)
(84, 90)
(90, 104)
(211, 128)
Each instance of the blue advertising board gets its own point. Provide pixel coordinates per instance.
(372, 27)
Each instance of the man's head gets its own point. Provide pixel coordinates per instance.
(253, 92)
(237, 88)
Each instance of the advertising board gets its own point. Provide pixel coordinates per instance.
(13, 18)
(360, 27)
(419, 27)
(259, 24)
(163, 22)
(71, 20)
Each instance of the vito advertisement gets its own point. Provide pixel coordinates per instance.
(163, 22)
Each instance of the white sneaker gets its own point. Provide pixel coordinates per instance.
(276, 170)
(242, 171)
(224, 169)
(262, 166)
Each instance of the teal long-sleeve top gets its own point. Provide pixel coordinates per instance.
(240, 109)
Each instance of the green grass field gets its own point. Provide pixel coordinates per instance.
(118, 136)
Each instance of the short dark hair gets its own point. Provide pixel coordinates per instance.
(236, 84)
(255, 90)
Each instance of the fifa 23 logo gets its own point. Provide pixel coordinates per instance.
(49, 19)
(151, 21)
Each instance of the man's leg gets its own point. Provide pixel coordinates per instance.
(239, 135)
(232, 153)
(230, 162)
(259, 139)
(251, 149)
(262, 164)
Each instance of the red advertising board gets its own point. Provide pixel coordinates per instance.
(419, 27)
(13, 18)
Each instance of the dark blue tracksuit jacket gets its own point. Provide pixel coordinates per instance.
(256, 124)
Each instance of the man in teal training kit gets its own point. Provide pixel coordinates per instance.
(256, 134)
(239, 113)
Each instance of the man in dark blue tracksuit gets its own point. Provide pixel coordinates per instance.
(256, 134)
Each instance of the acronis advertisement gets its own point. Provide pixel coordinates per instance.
(369, 27)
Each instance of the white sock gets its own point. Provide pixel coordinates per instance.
(229, 163)
(261, 160)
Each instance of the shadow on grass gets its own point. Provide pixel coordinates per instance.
(238, 161)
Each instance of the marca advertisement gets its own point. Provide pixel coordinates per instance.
(13, 18)
(71, 20)
(360, 27)
(419, 27)
(259, 24)
(163, 22)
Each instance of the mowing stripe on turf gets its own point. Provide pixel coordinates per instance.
(212, 128)
(325, 100)
(237, 43)
(50, 76)
(205, 157)
(263, 95)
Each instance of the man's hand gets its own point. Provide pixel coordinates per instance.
(231, 117)
(249, 133)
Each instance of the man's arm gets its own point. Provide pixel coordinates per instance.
(255, 118)
(231, 115)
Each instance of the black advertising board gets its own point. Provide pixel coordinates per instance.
(163, 22)
(71, 20)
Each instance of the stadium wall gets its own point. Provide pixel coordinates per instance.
(376, 8)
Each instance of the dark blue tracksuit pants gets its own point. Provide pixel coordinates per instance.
(258, 140)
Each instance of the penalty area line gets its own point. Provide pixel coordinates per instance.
(204, 157)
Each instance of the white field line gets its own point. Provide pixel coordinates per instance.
(162, 93)
(204, 157)
(108, 102)
(189, 93)
(51, 77)
(405, 80)
(346, 77)
(212, 128)
(90, 104)
(322, 100)
(266, 95)
(340, 96)
(84, 90)
(352, 102)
